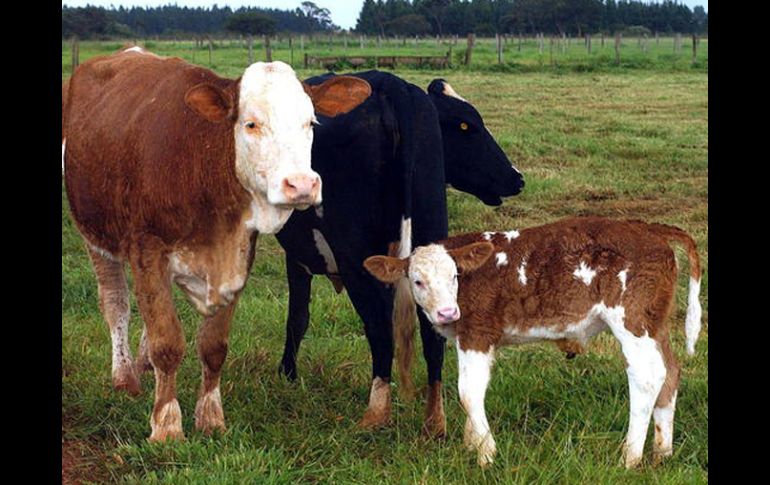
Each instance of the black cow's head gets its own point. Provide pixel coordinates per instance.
(473, 160)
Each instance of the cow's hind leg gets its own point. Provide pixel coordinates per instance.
(299, 315)
(212, 350)
(646, 373)
(665, 406)
(165, 339)
(114, 304)
(374, 303)
(433, 352)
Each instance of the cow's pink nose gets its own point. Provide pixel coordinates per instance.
(448, 314)
(301, 188)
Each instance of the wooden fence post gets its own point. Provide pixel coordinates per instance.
(618, 37)
(540, 39)
(268, 50)
(519, 47)
(588, 43)
(211, 48)
(499, 48)
(361, 41)
(291, 51)
(250, 41)
(694, 48)
(469, 50)
(75, 52)
(305, 60)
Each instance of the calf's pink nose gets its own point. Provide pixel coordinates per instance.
(448, 314)
(301, 188)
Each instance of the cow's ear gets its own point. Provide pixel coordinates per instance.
(338, 95)
(472, 256)
(385, 268)
(210, 102)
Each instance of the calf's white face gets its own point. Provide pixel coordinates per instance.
(274, 136)
(433, 273)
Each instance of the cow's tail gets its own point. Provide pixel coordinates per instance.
(65, 85)
(404, 316)
(692, 321)
(404, 313)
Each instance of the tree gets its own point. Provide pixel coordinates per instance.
(321, 15)
(250, 23)
(436, 10)
(408, 25)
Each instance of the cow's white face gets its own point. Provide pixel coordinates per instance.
(432, 276)
(274, 136)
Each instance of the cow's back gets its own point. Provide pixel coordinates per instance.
(138, 160)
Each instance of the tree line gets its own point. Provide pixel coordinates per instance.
(489, 17)
(398, 17)
(92, 22)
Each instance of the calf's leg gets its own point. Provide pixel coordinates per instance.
(299, 315)
(212, 350)
(114, 304)
(665, 406)
(474, 369)
(165, 340)
(646, 373)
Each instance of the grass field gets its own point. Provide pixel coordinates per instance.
(624, 143)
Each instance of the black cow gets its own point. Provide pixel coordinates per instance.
(385, 166)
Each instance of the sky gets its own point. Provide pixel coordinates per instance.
(343, 12)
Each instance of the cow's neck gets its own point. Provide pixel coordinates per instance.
(264, 217)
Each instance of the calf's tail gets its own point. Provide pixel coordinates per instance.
(692, 323)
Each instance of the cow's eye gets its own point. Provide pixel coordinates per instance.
(464, 126)
(418, 283)
(251, 125)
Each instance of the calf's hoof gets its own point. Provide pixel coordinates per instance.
(166, 423)
(435, 419)
(209, 415)
(487, 451)
(125, 379)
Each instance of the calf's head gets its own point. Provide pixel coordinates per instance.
(272, 114)
(433, 275)
(473, 160)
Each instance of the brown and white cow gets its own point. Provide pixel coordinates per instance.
(564, 282)
(175, 170)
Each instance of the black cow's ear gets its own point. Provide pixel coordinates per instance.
(209, 101)
(436, 87)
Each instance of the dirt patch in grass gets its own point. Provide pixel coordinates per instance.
(82, 462)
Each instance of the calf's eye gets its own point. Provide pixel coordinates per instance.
(418, 283)
(464, 126)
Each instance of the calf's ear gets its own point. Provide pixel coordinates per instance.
(338, 95)
(386, 268)
(209, 101)
(472, 256)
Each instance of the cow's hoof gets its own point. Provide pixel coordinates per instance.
(487, 451)
(166, 423)
(209, 415)
(374, 420)
(125, 379)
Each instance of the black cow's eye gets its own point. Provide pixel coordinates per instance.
(464, 126)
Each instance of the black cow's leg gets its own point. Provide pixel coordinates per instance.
(433, 351)
(374, 303)
(299, 315)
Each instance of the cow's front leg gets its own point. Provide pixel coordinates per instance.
(165, 340)
(474, 369)
(299, 315)
(212, 351)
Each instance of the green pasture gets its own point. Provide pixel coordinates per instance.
(628, 142)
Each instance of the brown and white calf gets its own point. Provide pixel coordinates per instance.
(564, 282)
(175, 170)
